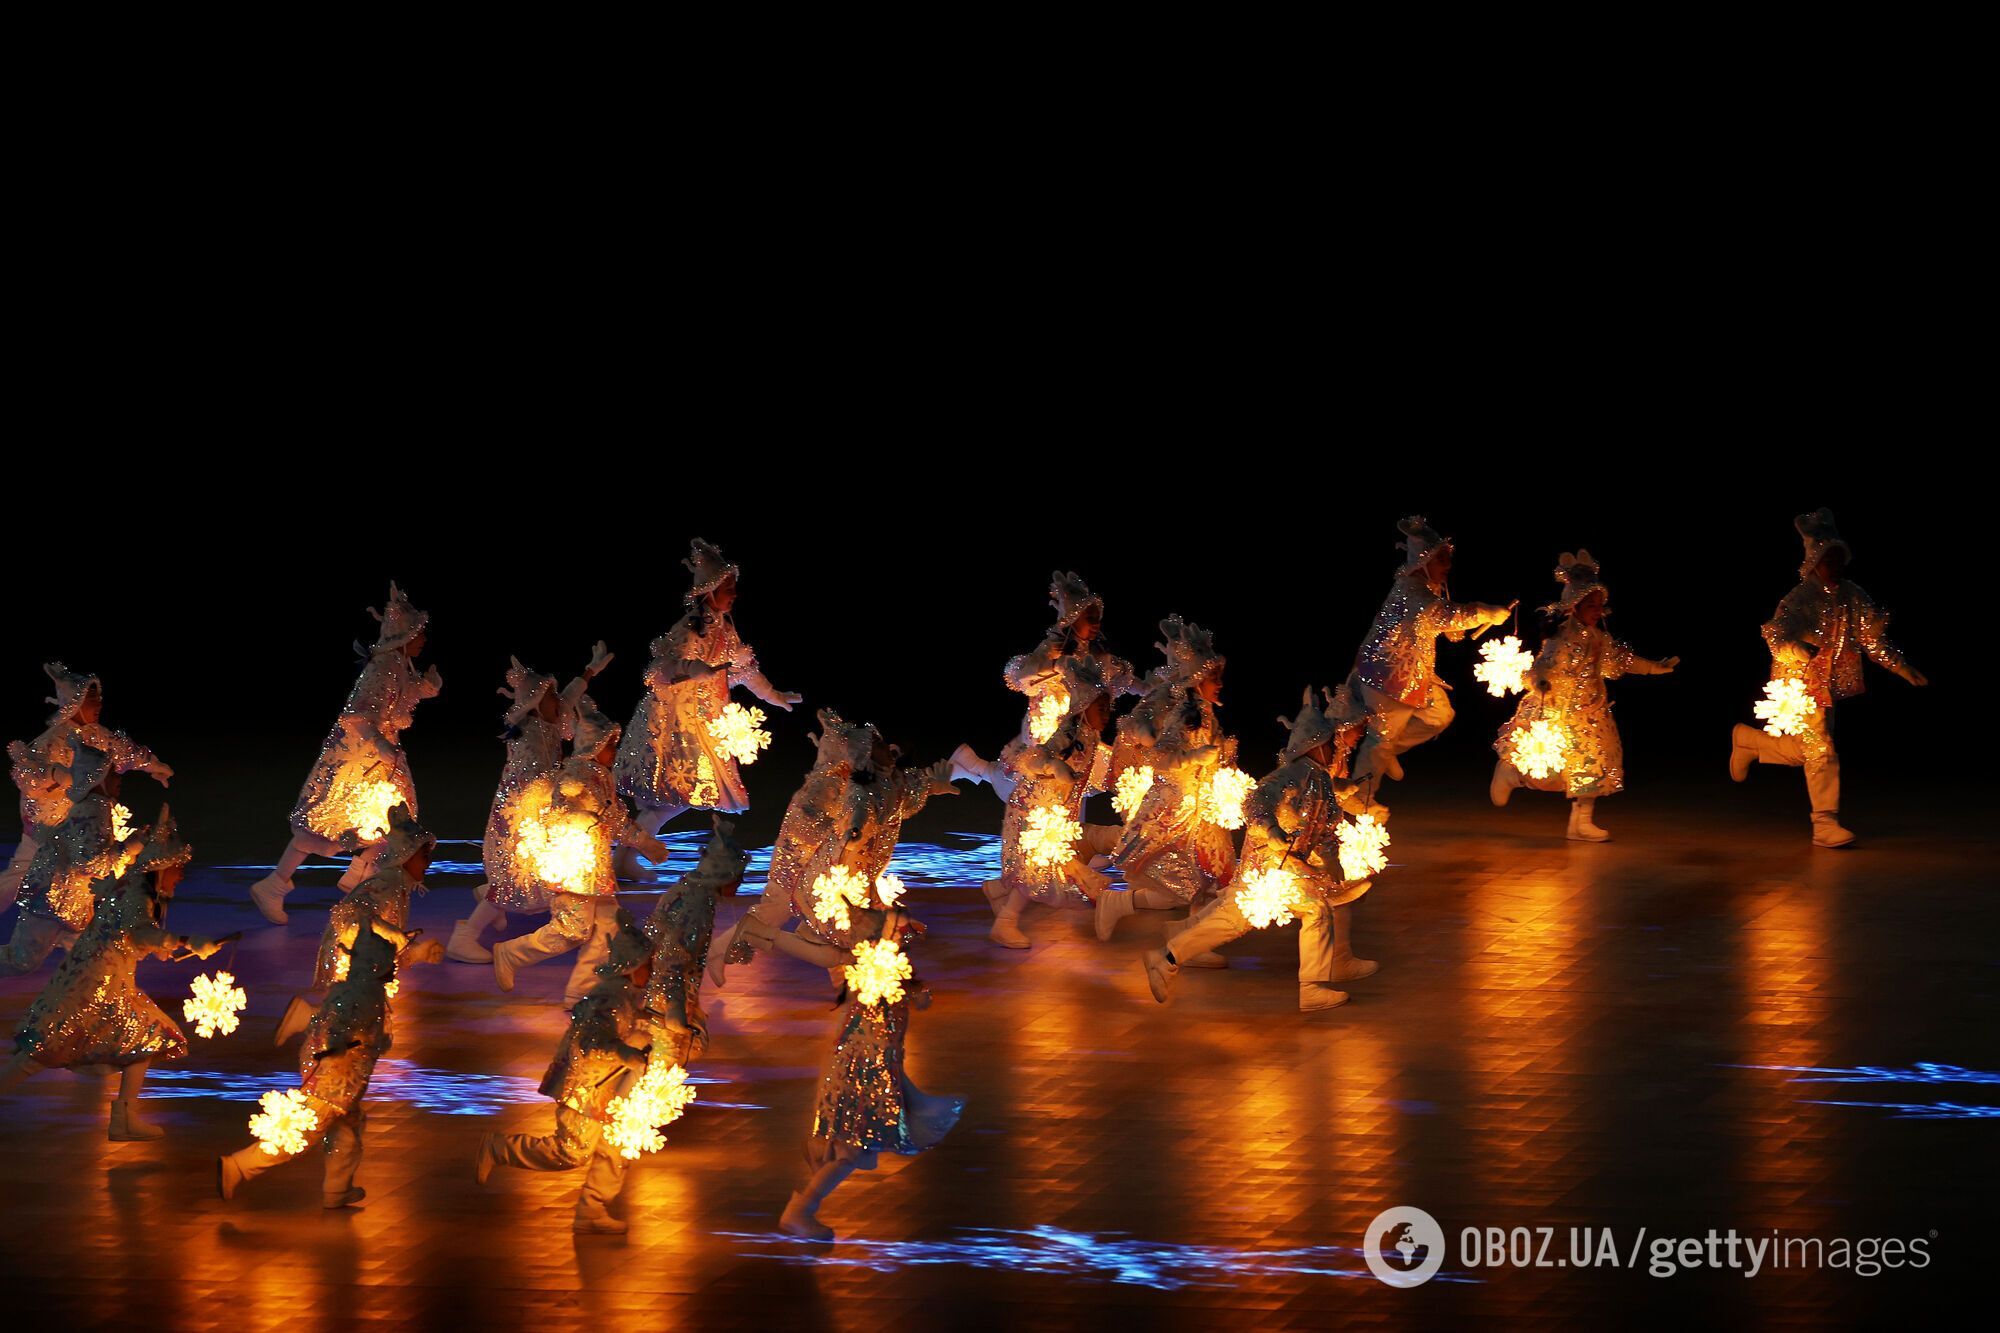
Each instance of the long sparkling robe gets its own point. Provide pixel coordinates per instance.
(92, 1012)
(585, 805)
(667, 757)
(348, 1034)
(362, 771)
(1399, 656)
(1168, 842)
(74, 855)
(1567, 687)
(872, 823)
(1037, 673)
(1045, 777)
(819, 820)
(682, 924)
(384, 896)
(593, 1059)
(534, 751)
(866, 1100)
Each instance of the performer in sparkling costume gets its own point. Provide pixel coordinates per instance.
(681, 926)
(383, 900)
(538, 723)
(867, 1102)
(1077, 635)
(92, 1012)
(347, 1036)
(1058, 774)
(1395, 672)
(669, 762)
(1566, 686)
(79, 702)
(596, 1063)
(586, 820)
(1819, 635)
(1292, 824)
(362, 770)
(85, 847)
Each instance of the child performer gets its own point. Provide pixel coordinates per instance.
(347, 1036)
(79, 705)
(92, 1012)
(670, 761)
(87, 846)
(362, 770)
(1818, 636)
(585, 821)
(1566, 687)
(595, 1064)
(1292, 823)
(681, 927)
(1395, 671)
(538, 723)
(867, 1102)
(1077, 635)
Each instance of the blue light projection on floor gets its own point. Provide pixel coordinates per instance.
(1923, 1072)
(1109, 1257)
(440, 1091)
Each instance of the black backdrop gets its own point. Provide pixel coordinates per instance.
(219, 600)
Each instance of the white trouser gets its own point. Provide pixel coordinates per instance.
(1813, 752)
(1395, 727)
(577, 1142)
(341, 1142)
(1222, 922)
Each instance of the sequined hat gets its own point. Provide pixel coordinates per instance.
(1310, 729)
(163, 846)
(71, 687)
(405, 839)
(629, 948)
(594, 731)
(1071, 598)
(708, 568)
(1420, 540)
(840, 739)
(1189, 649)
(1820, 536)
(400, 621)
(1578, 575)
(526, 687)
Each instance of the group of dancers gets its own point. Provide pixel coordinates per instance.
(581, 800)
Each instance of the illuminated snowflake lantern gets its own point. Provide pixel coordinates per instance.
(121, 823)
(1051, 836)
(362, 805)
(1538, 749)
(560, 852)
(1786, 706)
(739, 733)
(633, 1122)
(1503, 667)
(1048, 713)
(1223, 803)
(889, 889)
(216, 1002)
(1133, 784)
(1268, 897)
(834, 892)
(878, 972)
(282, 1126)
(1364, 844)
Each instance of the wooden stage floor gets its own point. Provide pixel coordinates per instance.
(1703, 1025)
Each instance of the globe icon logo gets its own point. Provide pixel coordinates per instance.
(1404, 1246)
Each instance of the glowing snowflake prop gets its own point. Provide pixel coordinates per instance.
(1786, 706)
(1133, 784)
(740, 733)
(878, 972)
(121, 823)
(1538, 749)
(281, 1127)
(214, 1005)
(834, 892)
(1222, 805)
(1503, 666)
(1048, 714)
(1051, 836)
(359, 805)
(888, 889)
(560, 852)
(1362, 846)
(1268, 897)
(632, 1123)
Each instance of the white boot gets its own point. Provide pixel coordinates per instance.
(1505, 779)
(591, 1217)
(1316, 995)
(268, 894)
(1113, 906)
(1160, 973)
(464, 946)
(1827, 831)
(1007, 932)
(127, 1127)
(1580, 827)
(1744, 748)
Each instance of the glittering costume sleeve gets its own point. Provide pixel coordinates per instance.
(1399, 657)
(1822, 633)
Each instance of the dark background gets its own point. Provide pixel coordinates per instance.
(893, 582)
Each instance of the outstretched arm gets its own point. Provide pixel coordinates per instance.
(744, 671)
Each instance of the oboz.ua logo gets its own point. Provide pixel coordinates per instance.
(1404, 1246)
